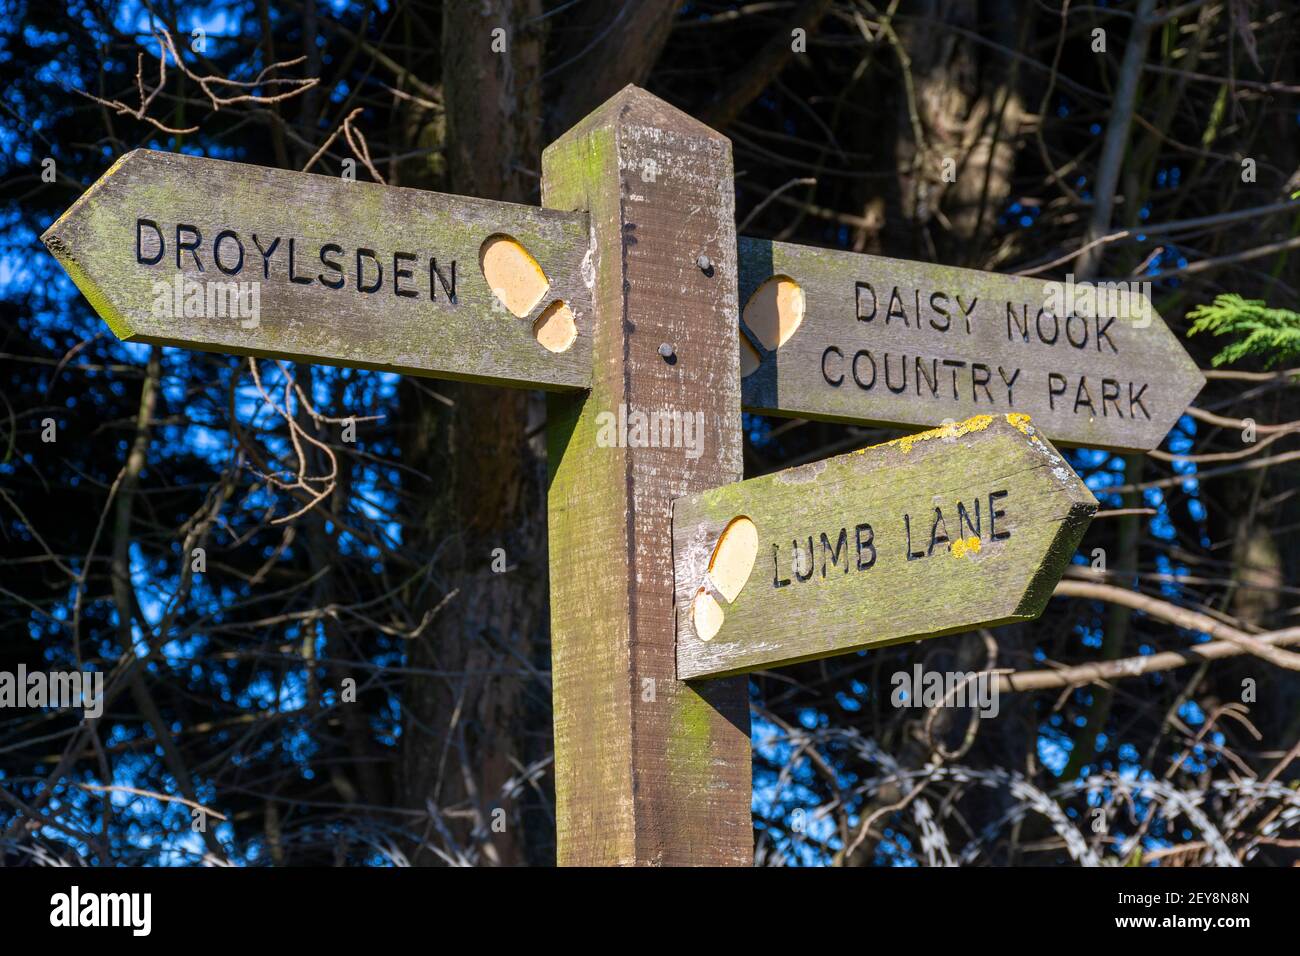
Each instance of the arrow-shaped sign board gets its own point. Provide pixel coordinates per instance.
(968, 525)
(840, 336)
(229, 257)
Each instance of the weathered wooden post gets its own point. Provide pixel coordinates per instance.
(627, 286)
(648, 769)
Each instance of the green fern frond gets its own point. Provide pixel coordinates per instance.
(1270, 334)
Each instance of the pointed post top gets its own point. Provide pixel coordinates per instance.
(633, 106)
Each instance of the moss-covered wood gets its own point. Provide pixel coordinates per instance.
(345, 273)
(648, 770)
(969, 525)
(886, 341)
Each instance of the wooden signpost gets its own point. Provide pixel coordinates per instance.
(846, 337)
(968, 525)
(229, 257)
(648, 768)
(624, 294)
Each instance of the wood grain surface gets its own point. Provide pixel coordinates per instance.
(884, 341)
(969, 525)
(299, 235)
(648, 769)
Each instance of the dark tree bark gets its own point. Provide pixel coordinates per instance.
(463, 733)
(959, 113)
(481, 448)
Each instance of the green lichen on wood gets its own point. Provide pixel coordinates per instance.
(587, 542)
(648, 770)
(904, 584)
(691, 737)
(904, 325)
(471, 339)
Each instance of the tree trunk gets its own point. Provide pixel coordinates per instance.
(464, 732)
(481, 449)
(959, 116)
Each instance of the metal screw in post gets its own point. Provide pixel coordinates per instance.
(669, 353)
(705, 264)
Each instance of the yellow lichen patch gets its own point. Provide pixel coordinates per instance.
(706, 615)
(964, 546)
(775, 311)
(1020, 422)
(976, 423)
(749, 358)
(513, 274)
(555, 329)
(733, 557)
